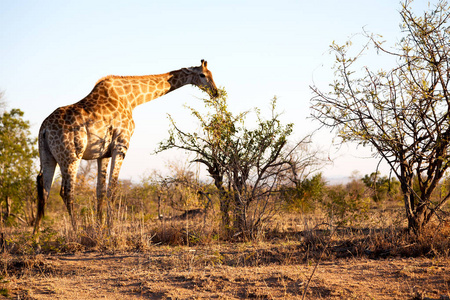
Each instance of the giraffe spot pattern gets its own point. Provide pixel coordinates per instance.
(100, 126)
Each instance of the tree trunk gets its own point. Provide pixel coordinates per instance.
(240, 218)
(8, 206)
(418, 214)
(409, 202)
(224, 201)
(414, 219)
(225, 214)
(422, 216)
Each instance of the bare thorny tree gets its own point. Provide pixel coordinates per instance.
(403, 114)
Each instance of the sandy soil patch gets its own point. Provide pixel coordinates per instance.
(220, 273)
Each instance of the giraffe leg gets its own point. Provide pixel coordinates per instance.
(101, 186)
(69, 177)
(118, 156)
(44, 183)
(116, 164)
(114, 177)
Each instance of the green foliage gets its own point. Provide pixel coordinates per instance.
(246, 164)
(17, 152)
(402, 113)
(382, 187)
(305, 194)
(347, 204)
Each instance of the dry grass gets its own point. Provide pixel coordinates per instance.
(223, 271)
(147, 258)
(382, 235)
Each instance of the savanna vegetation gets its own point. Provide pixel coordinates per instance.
(251, 215)
(403, 112)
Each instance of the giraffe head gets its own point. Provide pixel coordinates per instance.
(204, 80)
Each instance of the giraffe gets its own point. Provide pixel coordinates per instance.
(100, 127)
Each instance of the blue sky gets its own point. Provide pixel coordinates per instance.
(53, 52)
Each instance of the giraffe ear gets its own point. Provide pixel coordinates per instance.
(204, 63)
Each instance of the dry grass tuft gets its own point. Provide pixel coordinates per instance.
(291, 238)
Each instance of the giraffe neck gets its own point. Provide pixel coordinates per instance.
(141, 89)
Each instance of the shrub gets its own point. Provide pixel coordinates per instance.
(346, 204)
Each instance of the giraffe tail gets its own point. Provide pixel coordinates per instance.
(41, 195)
(40, 204)
(40, 198)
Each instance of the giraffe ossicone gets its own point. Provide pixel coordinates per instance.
(100, 127)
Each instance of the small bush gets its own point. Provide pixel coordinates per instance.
(346, 205)
(304, 196)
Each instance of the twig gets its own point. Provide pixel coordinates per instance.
(317, 264)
